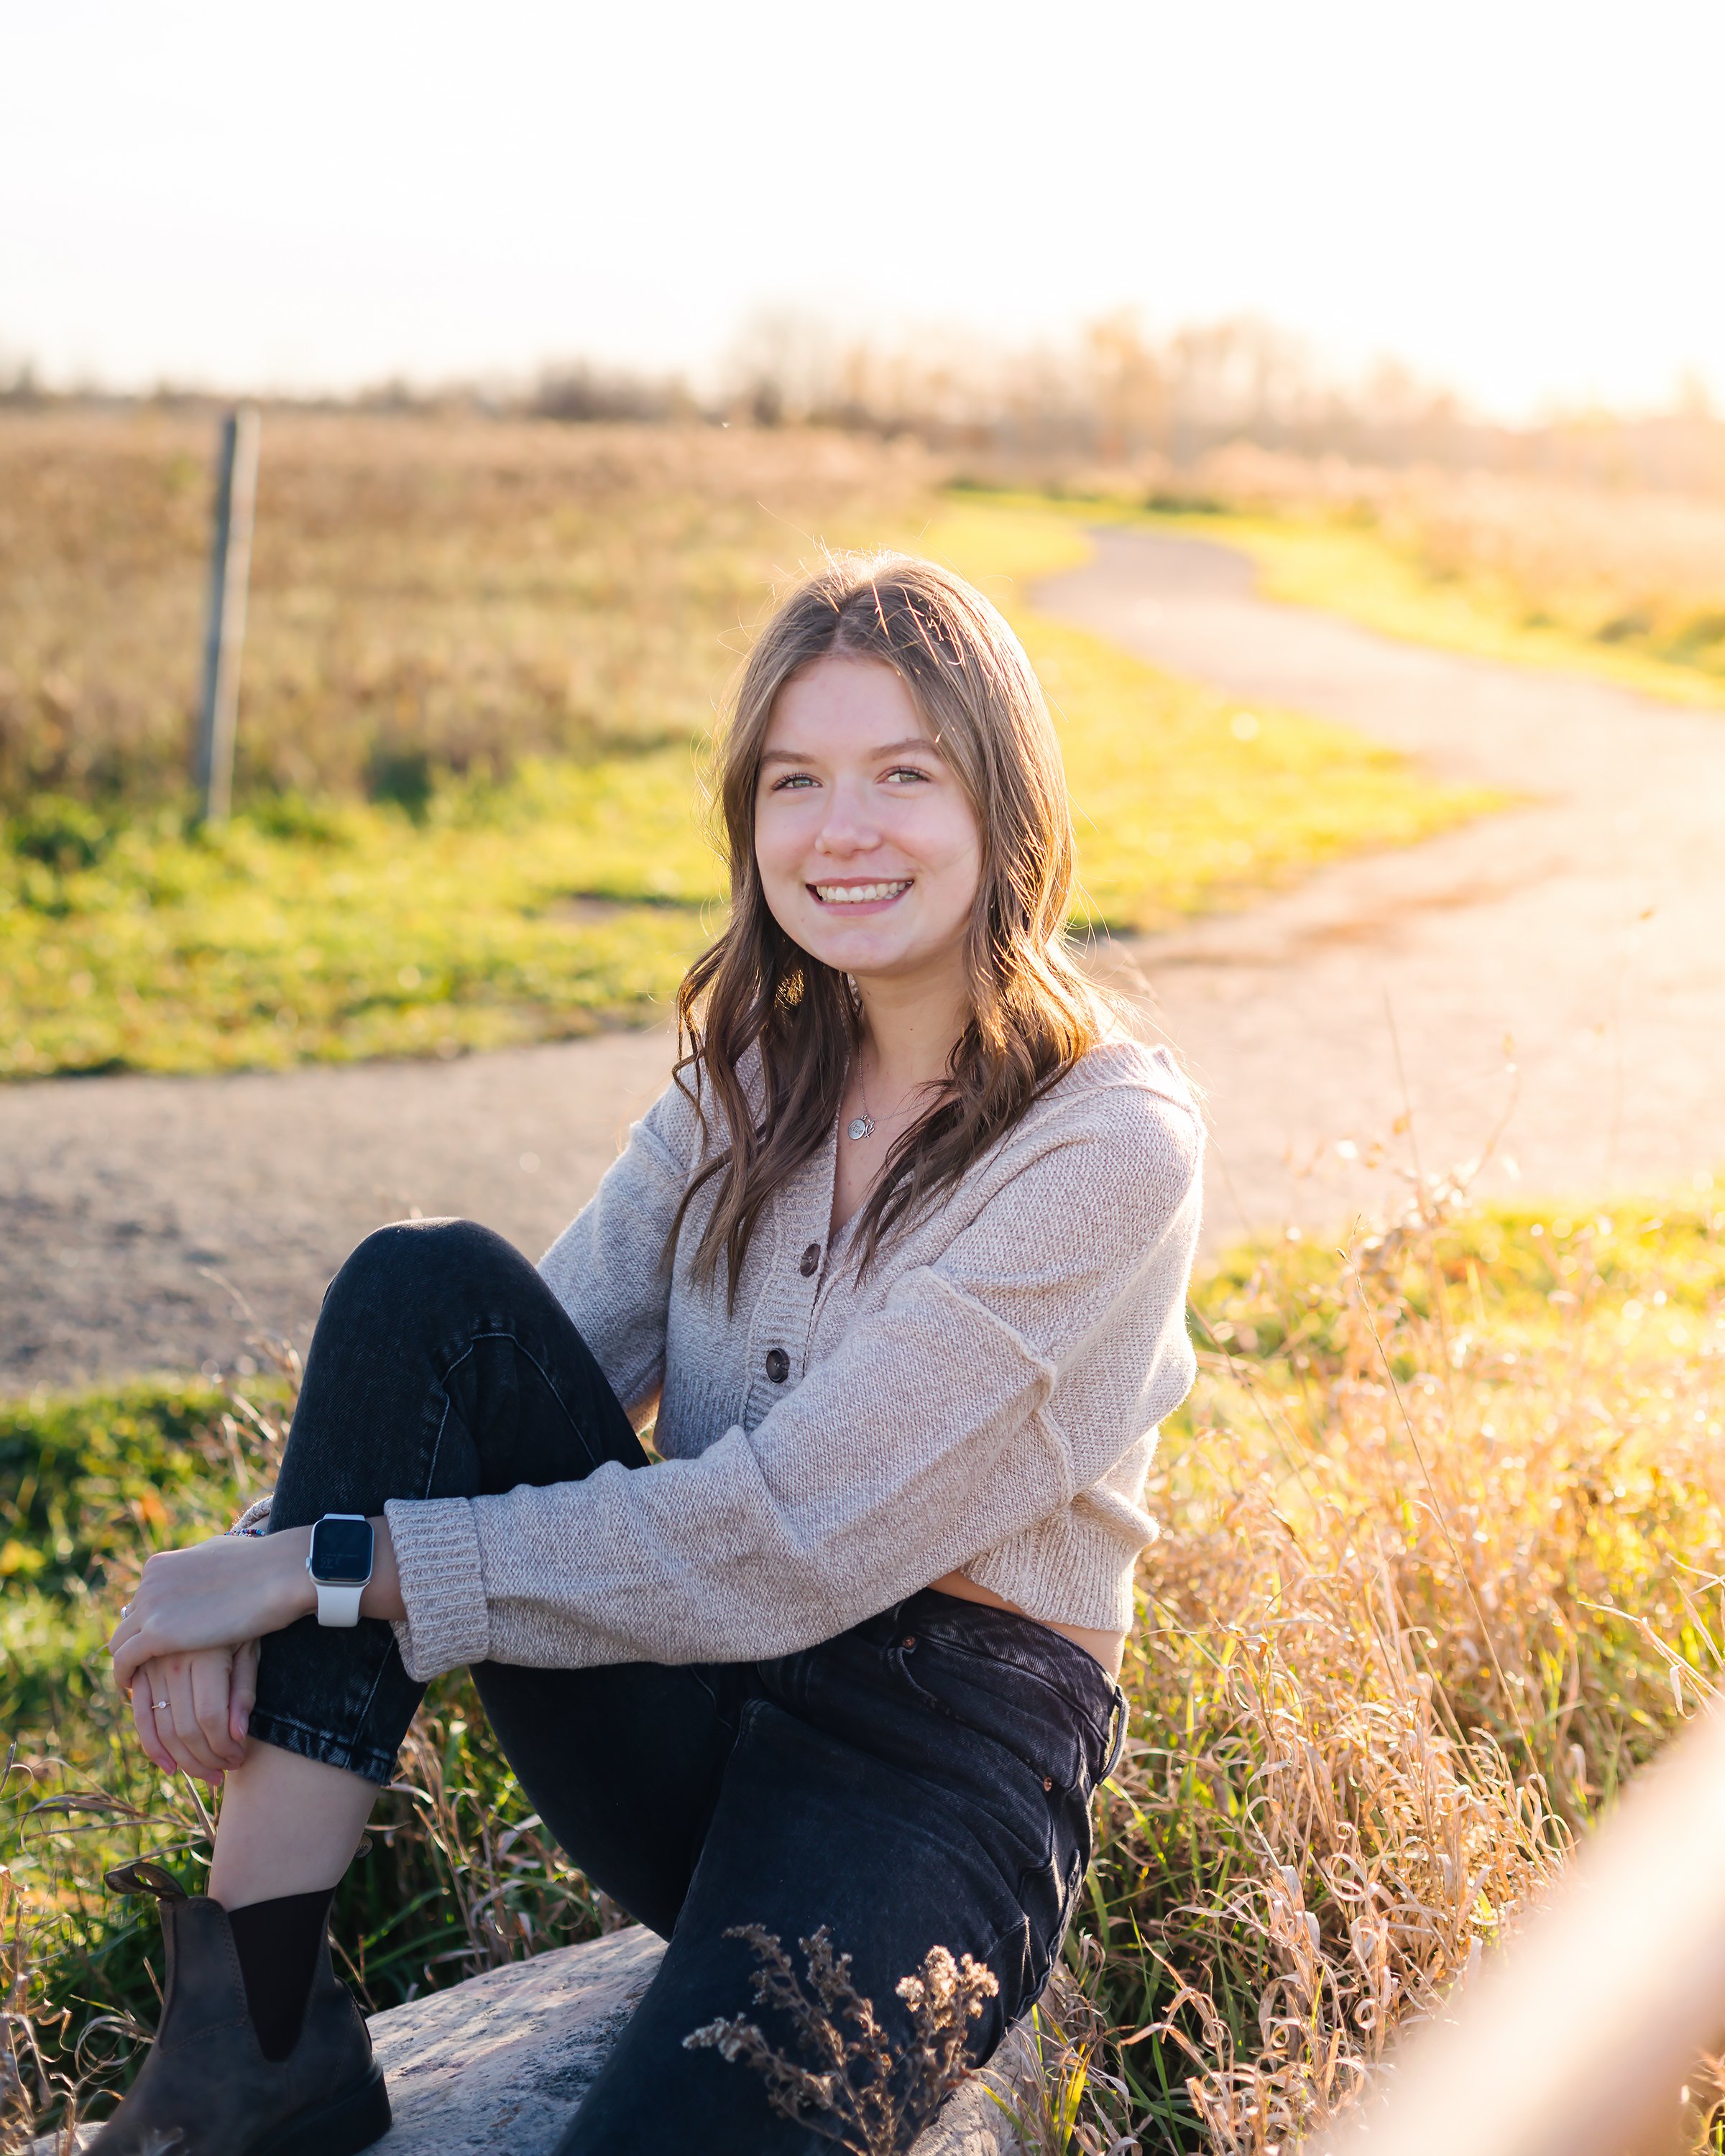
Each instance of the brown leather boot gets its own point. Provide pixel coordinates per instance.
(206, 2088)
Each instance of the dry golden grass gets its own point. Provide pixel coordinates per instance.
(461, 590)
(1441, 1569)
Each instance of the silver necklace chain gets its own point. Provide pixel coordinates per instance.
(862, 1125)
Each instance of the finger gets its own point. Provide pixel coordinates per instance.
(143, 1715)
(209, 1762)
(243, 1693)
(185, 1739)
(212, 1676)
(127, 1630)
(166, 1719)
(138, 1649)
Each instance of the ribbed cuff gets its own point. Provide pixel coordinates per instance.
(1065, 1573)
(443, 1587)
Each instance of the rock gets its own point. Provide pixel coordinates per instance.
(500, 2062)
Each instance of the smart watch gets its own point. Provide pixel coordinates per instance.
(340, 1565)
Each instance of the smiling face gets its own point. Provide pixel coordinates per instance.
(868, 847)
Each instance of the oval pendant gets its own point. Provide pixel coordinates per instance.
(858, 1127)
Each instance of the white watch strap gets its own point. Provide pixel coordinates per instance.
(338, 1605)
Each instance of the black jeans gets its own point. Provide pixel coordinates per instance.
(923, 1780)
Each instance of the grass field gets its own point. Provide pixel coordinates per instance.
(1440, 1571)
(427, 595)
(488, 864)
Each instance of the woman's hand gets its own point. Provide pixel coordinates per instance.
(192, 1710)
(218, 1593)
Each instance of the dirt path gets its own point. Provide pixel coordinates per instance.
(1589, 926)
(120, 1197)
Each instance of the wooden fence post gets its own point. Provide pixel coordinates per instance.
(229, 569)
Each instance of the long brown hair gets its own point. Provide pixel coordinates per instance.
(1031, 1014)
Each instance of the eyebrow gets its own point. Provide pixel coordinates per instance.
(885, 748)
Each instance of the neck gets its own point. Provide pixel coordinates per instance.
(909, 1029)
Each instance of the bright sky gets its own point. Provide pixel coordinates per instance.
(1522, 198)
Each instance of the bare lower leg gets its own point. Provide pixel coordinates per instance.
(288, 1825)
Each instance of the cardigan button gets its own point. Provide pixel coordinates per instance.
(810, 1260)
(778, 1365)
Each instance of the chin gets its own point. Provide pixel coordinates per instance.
(847, 954)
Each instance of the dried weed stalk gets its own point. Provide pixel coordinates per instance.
(852, 2084)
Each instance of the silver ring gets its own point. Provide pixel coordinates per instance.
(125, 1610)
(158, 1704)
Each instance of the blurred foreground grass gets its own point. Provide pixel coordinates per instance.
(1440, 1570)
(476, 906)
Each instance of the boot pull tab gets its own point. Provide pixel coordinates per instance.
(143, 1877)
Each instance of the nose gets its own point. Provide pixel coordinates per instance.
(848, 826)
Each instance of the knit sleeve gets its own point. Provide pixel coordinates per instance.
(987, 1391)
(606, 1269)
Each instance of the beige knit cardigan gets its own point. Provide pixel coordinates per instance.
(986, 1398)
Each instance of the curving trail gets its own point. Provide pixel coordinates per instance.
(1589, 925)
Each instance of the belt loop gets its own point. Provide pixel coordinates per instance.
(1117, 1745)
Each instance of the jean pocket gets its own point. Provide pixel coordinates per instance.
(1009, 1705)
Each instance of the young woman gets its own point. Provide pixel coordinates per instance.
(896, 1269)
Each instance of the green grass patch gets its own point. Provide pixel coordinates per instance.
(574, 894)
(569, 898)
(87, 1481)
(1648, 1275)
(1186, 800)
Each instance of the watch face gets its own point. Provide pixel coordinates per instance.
(341, 1551)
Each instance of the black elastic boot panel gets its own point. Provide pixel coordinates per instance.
(277, 1943)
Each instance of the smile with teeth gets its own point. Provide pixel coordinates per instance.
(858, 894)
